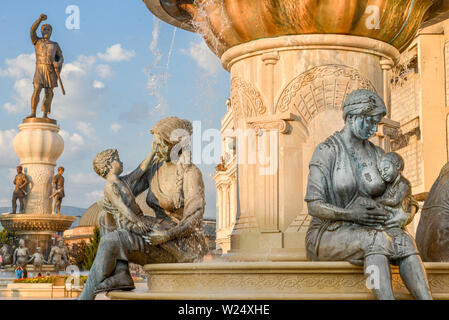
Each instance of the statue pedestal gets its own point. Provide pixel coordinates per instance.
(272, 281)
(36, 229)
(38, 146)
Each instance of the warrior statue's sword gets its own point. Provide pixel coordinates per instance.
(60, 81)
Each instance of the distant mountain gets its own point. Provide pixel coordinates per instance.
(65, 210)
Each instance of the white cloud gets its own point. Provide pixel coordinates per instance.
(86, 129)
(98, 84)
(205, 59)
(116, 127)
(21, 69)
(93, 196)
(72, 142)
(104, 71)
(116, 53)
(77, 139)
(21, 66)
(84, 178)
(8, 156)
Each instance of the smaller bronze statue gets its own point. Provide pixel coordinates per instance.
(59, 256)
(58, 190)
(398, 193)
(432, 235)
(21, 257)
(360, 203)
(21, 182)
(37, 259)
(49, 60)
(6, 251)
(119, 200)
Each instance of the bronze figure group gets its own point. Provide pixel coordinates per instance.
(21, 256)
(21, 191)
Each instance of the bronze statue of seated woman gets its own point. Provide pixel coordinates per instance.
(348, 223)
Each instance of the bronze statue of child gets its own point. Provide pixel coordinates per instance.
(399, 191)
(119, 200)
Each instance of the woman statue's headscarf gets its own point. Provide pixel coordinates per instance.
(364, 102)
(173, 131)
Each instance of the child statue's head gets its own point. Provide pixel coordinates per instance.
(103, 162)
(390, 166)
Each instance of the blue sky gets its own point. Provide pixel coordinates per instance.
(124, 70)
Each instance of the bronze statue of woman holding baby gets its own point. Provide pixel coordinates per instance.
(348, 224)
(175, 193)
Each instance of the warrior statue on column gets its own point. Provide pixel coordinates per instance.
(49, 62)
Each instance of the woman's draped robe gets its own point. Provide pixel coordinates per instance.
(332, 179)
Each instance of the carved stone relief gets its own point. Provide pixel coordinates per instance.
(320, 88)
(246, 99)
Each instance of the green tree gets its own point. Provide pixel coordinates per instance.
(7, 237)
(91, 251)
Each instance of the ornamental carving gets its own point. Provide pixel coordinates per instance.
(40, 176)
(29, 222)
(401, 138)
(246, 100)
(278, 125)
(320, 88)
(283, 282)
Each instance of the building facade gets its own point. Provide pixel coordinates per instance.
(226, 183)
(420, 103)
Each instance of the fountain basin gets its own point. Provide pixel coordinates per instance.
(227, 23)
(272, 281)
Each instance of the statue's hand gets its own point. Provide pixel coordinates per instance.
(398, 218)
(368, 215)
(43, 17)
(156, 238)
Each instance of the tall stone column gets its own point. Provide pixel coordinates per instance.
(38, 146)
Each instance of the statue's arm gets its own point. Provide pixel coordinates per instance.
(399, 196)
(25, 183)
(134, 177)
(34, 27)
(364, 212)
(317, 198)
(327, 211)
